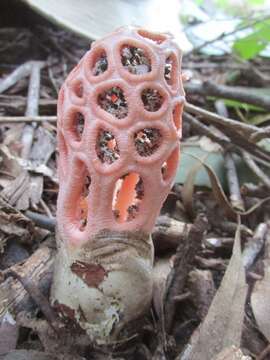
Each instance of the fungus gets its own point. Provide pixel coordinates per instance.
(115, 172)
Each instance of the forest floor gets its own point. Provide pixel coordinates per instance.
(215, 220)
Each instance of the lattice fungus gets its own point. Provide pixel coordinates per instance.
(119, 126)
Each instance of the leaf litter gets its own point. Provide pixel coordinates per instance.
(222, 326)
(198, 312)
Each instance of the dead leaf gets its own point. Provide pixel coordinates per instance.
(161, 271)
(261, 293)
(217, 189)
(220, 196)
(18, 191)
(36, 189)
(222, 326)
(13, 224)
(10, 162)
(209, 145)
(43, 147)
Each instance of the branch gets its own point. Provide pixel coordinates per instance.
(27, 119)
(238, 93)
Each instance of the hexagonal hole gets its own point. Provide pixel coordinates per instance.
(100, 63)
(147, 141)
(78, 89)
(107, 147)
(135, 60)
(77, 125)
(170, 70)
(156, 38)
(113, 101)
(152, 99)
(177, 112)
(82, 207)
(170, 165)
(128, 194)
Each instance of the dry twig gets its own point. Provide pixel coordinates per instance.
(255, 168)
(229, 92)
(183, 262)
(27, 119)
(31, 109)
(254, 246)
(21, 72)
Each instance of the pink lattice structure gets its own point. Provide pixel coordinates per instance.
(119, 126)
(84, 212)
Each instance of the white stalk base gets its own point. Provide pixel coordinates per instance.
(105, 284)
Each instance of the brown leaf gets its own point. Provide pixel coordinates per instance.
(43, 147)
(220, 196)
(91, 274)
(261, 293)
(17, 193)
(13, 224)
(222, 326)
(36, 189)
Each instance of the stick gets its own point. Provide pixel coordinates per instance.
(16, 104)
(237, 140)
(42, 221)
(231, 172)
(255, 168)
(238, 132)
(168, 233)
(203, 129)
(261, 133)
(254, 246)
(37, 270)
(183, 263)
(238, 93)
(233, 182)
(40, 300)
(252, 190)
(223, 35)
(21, 72)
(27, 119)
(31, 109)
(219, 120)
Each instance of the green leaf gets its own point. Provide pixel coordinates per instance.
(241, 105)
(259, 119)
(251, 45)
(256, 2)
